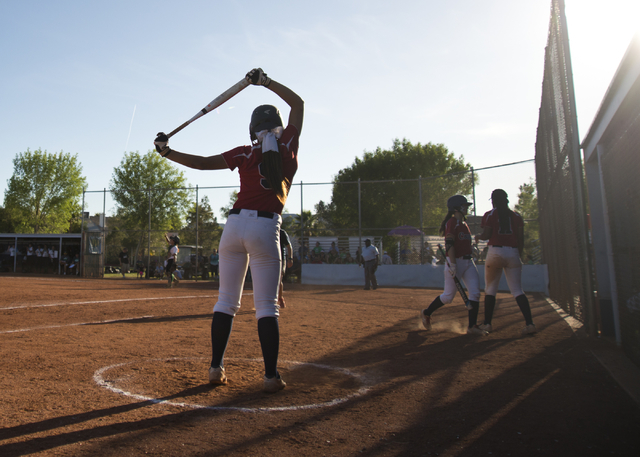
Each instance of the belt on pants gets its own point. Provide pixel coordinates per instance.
(265, 214)
(466, 257)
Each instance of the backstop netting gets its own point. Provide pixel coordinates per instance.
(560, 181)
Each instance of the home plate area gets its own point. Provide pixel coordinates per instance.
(178, 382)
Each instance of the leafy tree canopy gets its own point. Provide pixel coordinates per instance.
(528, 208)
(209, 231)
(44, 191)
(396, 201)
(224, 210)
(144, 181)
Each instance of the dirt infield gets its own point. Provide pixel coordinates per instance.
(119, 367)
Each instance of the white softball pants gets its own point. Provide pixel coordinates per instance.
(503, 258)
(466, 271)
(249, 240)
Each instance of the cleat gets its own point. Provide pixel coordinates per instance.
(476, 330)
(487, 328)
(274, 384)
(217, 376)
(426, 320)
(529, 330)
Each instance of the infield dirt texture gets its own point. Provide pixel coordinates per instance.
(119, 368)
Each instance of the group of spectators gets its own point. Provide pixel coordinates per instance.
(318, 255)
(40, 258)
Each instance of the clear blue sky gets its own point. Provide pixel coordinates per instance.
(98, 78)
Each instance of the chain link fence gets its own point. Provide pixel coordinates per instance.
(401, 217)
(561, 183)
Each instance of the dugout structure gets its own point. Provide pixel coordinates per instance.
(14, 256)
(611, 151)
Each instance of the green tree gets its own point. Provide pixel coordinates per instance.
(148, 181)
(233, 197)
(209, 231)
(6, 224)
(396, 201)
(528, 208)
(44, 191)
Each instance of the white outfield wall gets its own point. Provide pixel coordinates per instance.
(535, 278)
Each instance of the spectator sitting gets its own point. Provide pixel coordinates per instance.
(73, 268)
(334, 254)
(64, 262)
(317, 250)
(350, 260)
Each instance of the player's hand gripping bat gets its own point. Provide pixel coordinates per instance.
(461, 290)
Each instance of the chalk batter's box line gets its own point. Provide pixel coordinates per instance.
(110, 321)
(122, 300)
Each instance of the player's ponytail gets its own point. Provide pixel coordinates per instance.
(501, 204)
(271, 169)
(446, 219)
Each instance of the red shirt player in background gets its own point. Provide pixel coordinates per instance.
(457, 238)
(505, 231)
(251, 236)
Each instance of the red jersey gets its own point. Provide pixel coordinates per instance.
(461, 236)
(504, 237)
(255, 193)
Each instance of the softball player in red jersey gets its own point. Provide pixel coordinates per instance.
(457, 238)
(505, 231)
(251, 236)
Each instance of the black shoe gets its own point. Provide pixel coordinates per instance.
(367, 288)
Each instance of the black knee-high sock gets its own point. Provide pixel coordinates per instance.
(220, 330)
(523, 303)
(435, 304)
(489, 306)
(269, 334)
(473, 313)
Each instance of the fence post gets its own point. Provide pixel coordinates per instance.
(81, 237)
(197, 255)
(149, 237)
(359, 219)
(473, 185)
(301, 229)
(103, 254)
(421, 224)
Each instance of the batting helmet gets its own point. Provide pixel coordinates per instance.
(175, 238)
(264, 117)
(499, 194)
(456, 202)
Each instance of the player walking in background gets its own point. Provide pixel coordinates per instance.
(457, 241)
(505, 231)
(370, 260)
(172, 259)
(124, 261)
(252, 232)
(286, 252)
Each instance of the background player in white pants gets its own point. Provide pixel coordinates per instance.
(505, 231)
(170, 263)
(251, 235)
(457, 240)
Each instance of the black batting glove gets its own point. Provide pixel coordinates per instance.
(162, 143)
(257, 77)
